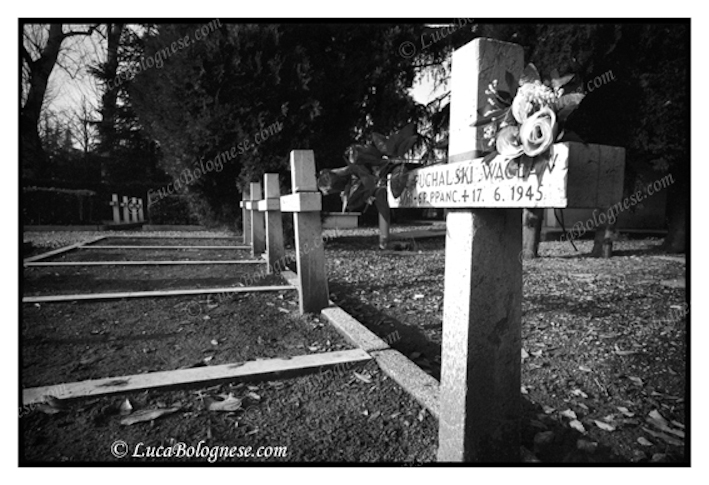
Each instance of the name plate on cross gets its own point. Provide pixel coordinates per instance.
(575, 175)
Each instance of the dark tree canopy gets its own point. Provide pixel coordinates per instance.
(329, 85)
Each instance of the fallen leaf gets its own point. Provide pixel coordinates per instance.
(214, 342)
(604, 426)
(543, 438)
(583, 368)
(527, 456)
(636, 380)
(363, 377)
(678, 424)
(625, 352)
(568, 413)
(659, 458)
(644, 441)
(229, 404)
(51, 405)
(254, 396)
(580, 393)
(525, 355)
(147, 415)
(576, 424)
(125, 408)
(655, 415)
(668, 439)
(662, 426)
(625, 411)
(586, 446)
(548, 409)
(47, 409)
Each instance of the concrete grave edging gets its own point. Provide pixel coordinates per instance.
(421, 386)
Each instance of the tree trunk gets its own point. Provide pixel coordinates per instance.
(676, 239)
(108, 100)
(384, 216)
(531, 232)
(677, 215)
(32, 154)
(603, 239)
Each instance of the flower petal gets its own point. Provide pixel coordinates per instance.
(538, 132)
(507, 142)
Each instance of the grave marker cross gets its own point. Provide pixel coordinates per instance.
(480, 398)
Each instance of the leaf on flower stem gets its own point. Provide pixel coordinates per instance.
(554, 75)
(380, 142)
(489, 157)
(489, 116)
(558, 82)
(406, 145)
(511, 83)
(530, 74)
(399, 179)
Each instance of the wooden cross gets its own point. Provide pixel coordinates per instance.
(245, 218)
(116, 210)
(306, 203)
(126, 210)
(275, 251)
(133, 209)
(258, 242)
(480, 401)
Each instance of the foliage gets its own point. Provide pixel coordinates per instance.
(328, 85)
(368, 168)
(524, 122)
(42, 205)
(179, 210)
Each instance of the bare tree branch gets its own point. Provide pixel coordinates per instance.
(91, 30)
(26, 56)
